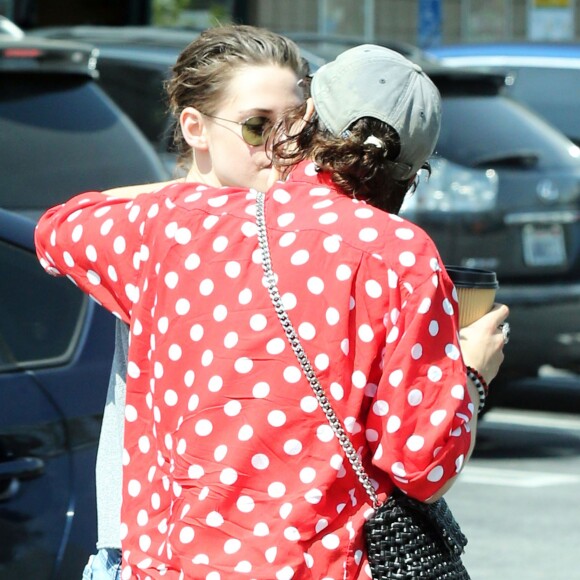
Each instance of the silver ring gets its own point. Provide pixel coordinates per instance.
(505, 330)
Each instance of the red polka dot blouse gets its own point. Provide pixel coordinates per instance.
(230, 467)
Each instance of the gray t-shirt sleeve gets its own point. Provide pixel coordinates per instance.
(109, 468)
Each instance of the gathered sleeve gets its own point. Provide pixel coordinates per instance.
(95, 240)
(422, 407)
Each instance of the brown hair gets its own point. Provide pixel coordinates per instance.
(206, 66)
(361, 170)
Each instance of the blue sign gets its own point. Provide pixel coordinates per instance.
(429, 23)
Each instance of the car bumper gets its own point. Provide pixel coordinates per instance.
(545, 327)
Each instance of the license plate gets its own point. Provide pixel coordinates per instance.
(544, 245)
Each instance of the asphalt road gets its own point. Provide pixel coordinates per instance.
(518, 499)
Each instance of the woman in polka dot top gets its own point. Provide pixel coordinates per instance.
(231, 469)
(230, 72)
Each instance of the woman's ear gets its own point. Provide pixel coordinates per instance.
(193, 128)
(310, 109)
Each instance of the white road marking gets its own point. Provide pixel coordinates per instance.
(499, 418)
(515, 478)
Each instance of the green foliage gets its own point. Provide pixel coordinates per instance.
(168, 12)
(219, 14)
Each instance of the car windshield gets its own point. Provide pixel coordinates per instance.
(480, 131)
(59, 135)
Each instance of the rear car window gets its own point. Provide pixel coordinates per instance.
(59, 135)
(139, 91)
(477, 131)
(558, 106)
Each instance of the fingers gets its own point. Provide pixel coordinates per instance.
(501, 307)
(497, 321)
(505, 331)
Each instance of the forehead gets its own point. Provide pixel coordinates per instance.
(262, 88)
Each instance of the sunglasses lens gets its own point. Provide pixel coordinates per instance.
(254, 130)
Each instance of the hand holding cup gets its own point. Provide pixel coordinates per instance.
(482, 322)
(482, 342)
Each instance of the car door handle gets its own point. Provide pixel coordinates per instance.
(21, 468)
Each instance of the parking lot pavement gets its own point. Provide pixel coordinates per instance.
(517, 498)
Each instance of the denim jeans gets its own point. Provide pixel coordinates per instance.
(104, 565)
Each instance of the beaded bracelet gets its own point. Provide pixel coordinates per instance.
(481, 386)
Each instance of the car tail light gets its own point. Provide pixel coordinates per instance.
(49, 56)
(22, 53)
(453, 188)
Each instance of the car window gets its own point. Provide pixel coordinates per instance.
(139, 91)
(558, 106)
(40, 316)
(61, 134)
(493, 130)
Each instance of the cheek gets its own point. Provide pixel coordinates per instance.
(260, 158)
(231, 154)
(236, 164)
(250, 160)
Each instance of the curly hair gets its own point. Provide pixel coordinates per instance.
(361, 169)
(206, 66)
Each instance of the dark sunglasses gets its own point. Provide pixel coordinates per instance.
(255, 130)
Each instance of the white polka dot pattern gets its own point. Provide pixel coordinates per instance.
(231, 469)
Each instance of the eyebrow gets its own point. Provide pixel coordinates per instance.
(256, 111)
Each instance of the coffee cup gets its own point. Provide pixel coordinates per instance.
(476, 289)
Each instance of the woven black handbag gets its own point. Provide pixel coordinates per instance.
(406, 539)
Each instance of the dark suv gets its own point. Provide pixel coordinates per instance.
(59, 134)
(505, 195)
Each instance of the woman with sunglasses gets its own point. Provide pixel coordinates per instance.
(231, 468)
(227, 87)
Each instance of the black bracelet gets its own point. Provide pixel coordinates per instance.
(481, 386)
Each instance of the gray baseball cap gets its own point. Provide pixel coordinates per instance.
(374, 81)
